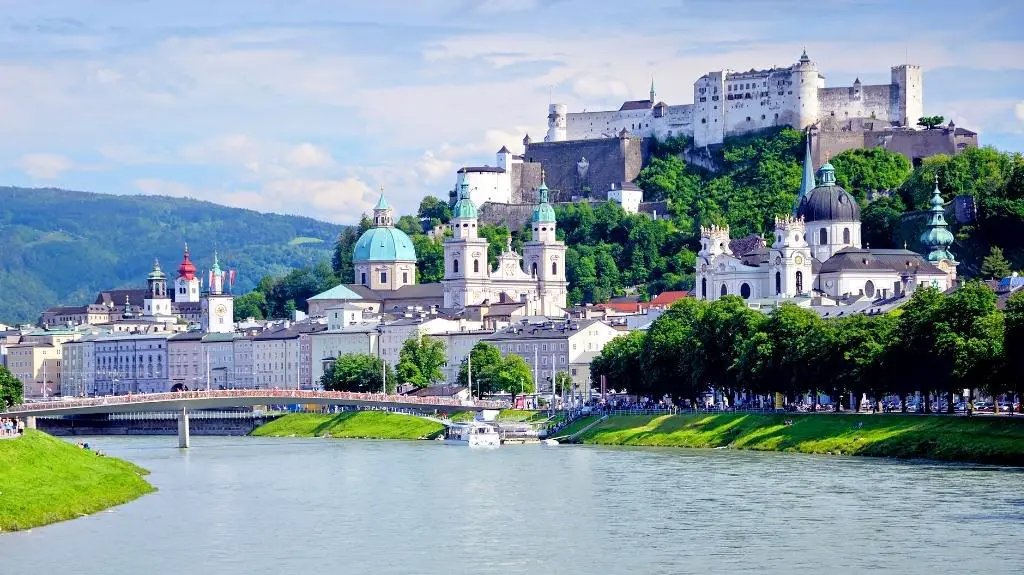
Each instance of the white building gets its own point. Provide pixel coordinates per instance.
(536, 279)
(131, 364)
(628, 195)
(218, 315)
(557, 346)
(729, 103)
(326, 346)
(817, 252)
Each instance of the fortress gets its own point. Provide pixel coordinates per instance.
(728, 103)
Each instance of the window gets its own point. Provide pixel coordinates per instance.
(554, 268)
(383, 277)
(476, 266)
(778, 283)
(405, 277)
(533, 269)
(455, 266)
(704, 288)
(846, 235)
(725, 290)
(823, 236)
(799, 282)
(869, 288)
(362, 278)
(745, 291)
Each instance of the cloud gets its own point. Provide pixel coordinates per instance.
(44, 166)
(1019, 110)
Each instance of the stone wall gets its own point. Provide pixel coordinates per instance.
(610, 161)
(914, 145)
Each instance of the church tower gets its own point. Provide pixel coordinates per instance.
(545, 256)
(157, 303)
(218, 315)
(465, 256)
(790, 265)
(186, 285)
(937, 238)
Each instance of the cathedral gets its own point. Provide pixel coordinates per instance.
(384, 266)
(816, 252)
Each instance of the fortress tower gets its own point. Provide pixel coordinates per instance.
(907, 82)
(805, 86)
(557, 118)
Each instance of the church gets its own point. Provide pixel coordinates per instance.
(384, 266)
(816, 253)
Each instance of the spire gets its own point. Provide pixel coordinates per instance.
(807, 183)
(187, 269)
(464, 208)
(652, 90)
(804, 59)
(382, 204)
(216, 264)
(382, 217)
(543, 212)
(937, 238)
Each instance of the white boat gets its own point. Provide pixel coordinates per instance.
(472, 434)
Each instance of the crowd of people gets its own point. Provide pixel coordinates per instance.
(11, 428)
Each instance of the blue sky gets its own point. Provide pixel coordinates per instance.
(308, 106)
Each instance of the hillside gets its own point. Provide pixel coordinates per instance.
(61, 247)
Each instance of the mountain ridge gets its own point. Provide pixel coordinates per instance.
(60, 246)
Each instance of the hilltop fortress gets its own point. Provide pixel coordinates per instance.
(598, 155)
(728, 103)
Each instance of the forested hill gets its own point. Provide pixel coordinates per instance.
(61, 247)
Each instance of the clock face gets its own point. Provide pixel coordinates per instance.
(221, 310)
(799, 260)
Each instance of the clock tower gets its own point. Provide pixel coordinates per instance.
(218, 309)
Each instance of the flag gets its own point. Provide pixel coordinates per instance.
(233, 276)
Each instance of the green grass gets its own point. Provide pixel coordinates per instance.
(997, 440)
(299, 240)
(351, 425)
(45, 480)
(575, 427)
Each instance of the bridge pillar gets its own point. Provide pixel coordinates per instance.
(30, 422)
(183, 432)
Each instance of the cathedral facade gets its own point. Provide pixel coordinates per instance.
(816, 252)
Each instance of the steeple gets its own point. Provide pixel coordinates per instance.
(382, 212)
(827, 174)
(652, 90)
(543, 212)
(807, 183)
(937, 238)
(804, 59)
(464, 208)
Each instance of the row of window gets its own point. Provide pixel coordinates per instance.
(384, 278)
(745, 290)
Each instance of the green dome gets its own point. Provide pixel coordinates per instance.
(937, 238)
(543, 212)
(384, 245)
(156, 274)
(464, 208)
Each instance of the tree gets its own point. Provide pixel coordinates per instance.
(421, 359)
(432, 208)
(995, 266)
(250, 305)
(358, 372)
(670, 352)
(563, 383)
(11, 390)
(864, 170)
(486, 360)
(514, 376)
(1013, 339)
(341, 260)
(619, 361)
(880, 222)
(929, 122)
(970, 333)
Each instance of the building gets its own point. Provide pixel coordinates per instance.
(627, 195)
(127, 363)
(537, 278)
(217, 306)
(729, 103)
(384, 257)
(817, 252)
(37, 366)
(556, 346)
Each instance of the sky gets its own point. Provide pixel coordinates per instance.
(308, 107)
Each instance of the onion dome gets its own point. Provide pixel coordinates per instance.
(187, 269)
(937, 238)
(543, 212)
(464, 208)
(157, 273)
(828, 201)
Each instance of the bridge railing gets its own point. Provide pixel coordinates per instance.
(289, 395)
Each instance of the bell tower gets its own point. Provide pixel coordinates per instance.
(218, 308)
(186, 285)
(544, 256)
(157, 303)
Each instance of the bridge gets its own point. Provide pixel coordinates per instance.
(183, 401)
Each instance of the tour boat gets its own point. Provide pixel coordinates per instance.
(472, 434)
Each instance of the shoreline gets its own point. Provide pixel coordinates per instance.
(351, 425)
(995, 441)
(47, 480)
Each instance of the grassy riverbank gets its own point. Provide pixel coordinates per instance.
(998, 440)
(45, 480)
(351, 425)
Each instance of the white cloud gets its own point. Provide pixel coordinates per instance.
(1019, 110)
(44, 166)
(307, 155)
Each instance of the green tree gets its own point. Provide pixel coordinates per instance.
(514, 376)
(421, 359)
(880, 222)
(410, 225)
(619, 361)
(11, 390)
(970, 333)
(1013, 342)
(930, 122)
(358, 372)
(251, 305)
(341, 260)
(671, 351)
(563, 383)
(429, 258)
(486, 360)
(995, 266)
(433, 208)
(863, 170)
(724, 328)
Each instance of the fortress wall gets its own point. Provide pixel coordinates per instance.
(515, 216)
(878, 101)
(607, 124)
(611, 161)
(911, 144)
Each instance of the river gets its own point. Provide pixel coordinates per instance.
(281, 506)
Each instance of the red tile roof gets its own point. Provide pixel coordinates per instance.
(667, 298)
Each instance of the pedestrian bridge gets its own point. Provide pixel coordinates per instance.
(184, 401)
